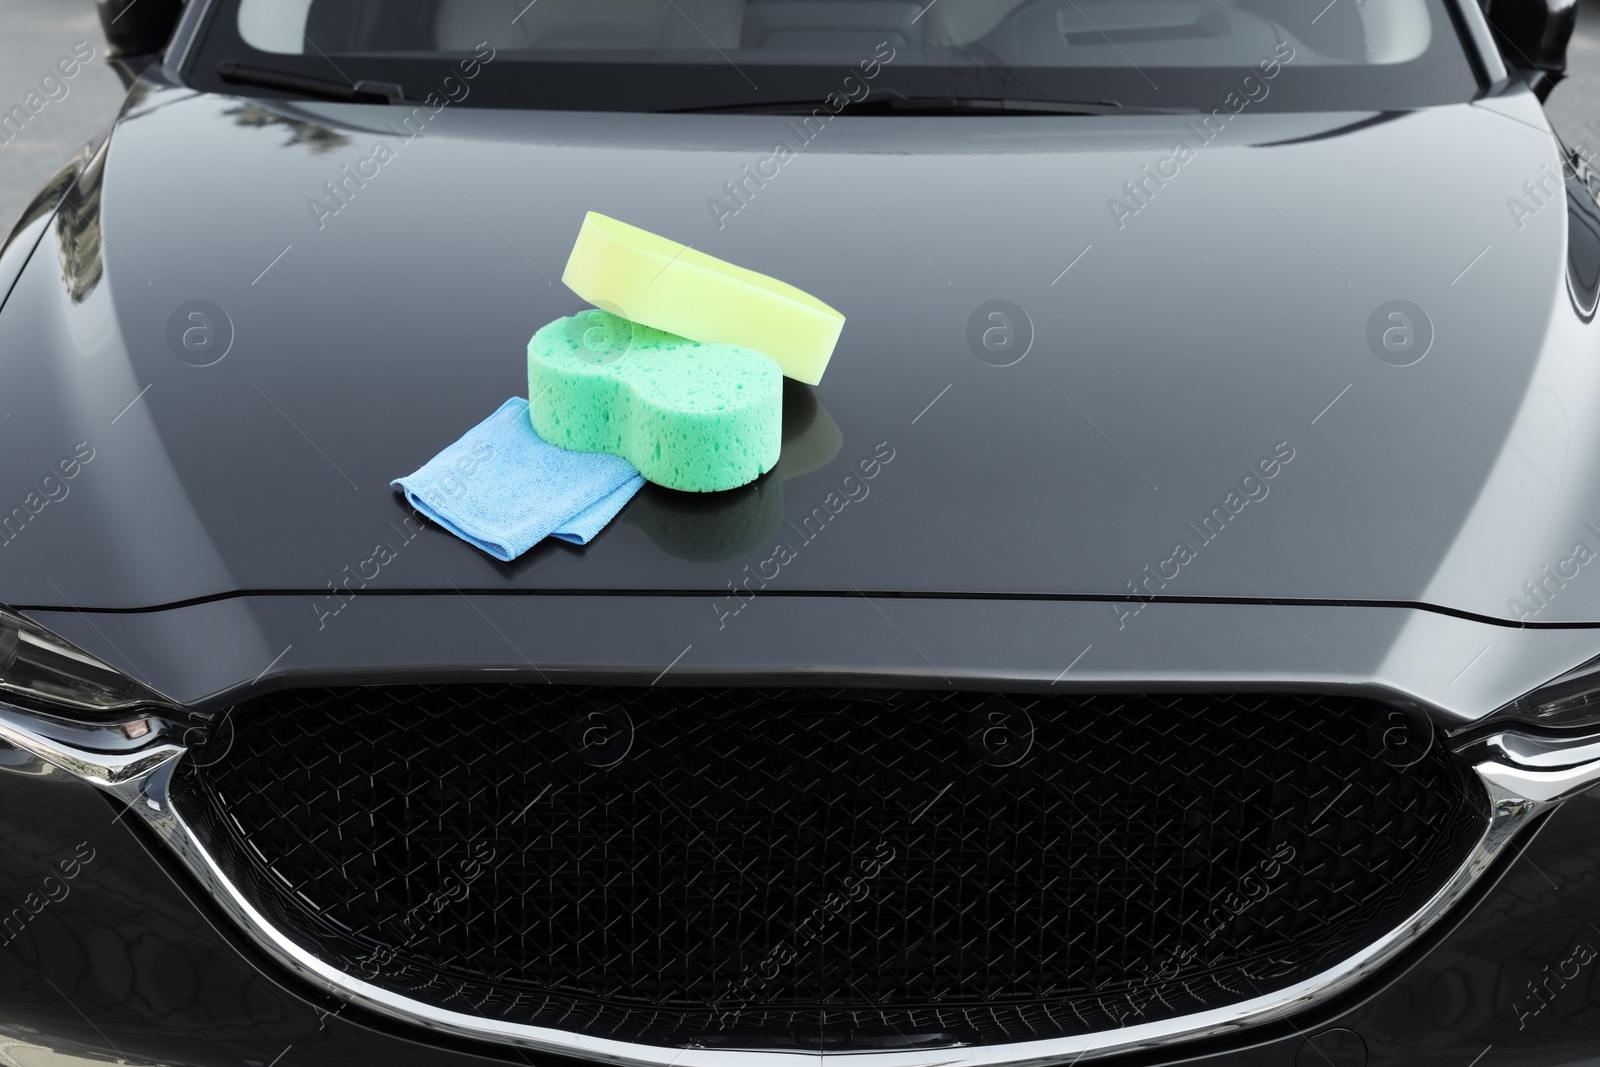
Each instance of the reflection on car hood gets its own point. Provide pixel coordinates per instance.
(1194, 406)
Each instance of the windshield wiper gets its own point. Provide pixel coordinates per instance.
(945, 105)
(362, 92)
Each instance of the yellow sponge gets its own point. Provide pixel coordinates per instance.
(660, 283)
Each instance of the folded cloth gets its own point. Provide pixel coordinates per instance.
(504, 488)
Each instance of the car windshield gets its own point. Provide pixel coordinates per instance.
(683, 55)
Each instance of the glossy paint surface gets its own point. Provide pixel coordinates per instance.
(1177, 351)
(1225, 323)
(229, 649)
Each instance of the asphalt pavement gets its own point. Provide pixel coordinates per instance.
(1576, 101)
(36, 35)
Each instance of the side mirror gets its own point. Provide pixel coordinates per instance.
(1533, 36)
(137, 31)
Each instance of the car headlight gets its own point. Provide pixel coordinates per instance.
(1568, 702)
(39, 669)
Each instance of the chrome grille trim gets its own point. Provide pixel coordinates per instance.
(1514, 795)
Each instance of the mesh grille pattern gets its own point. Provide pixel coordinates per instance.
(840, 868)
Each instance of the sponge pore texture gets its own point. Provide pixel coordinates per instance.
(690, 416)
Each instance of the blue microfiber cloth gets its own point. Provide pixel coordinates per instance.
(504, 488)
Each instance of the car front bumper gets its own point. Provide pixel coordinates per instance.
(122, 958)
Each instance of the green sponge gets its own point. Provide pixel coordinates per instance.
(690, 416)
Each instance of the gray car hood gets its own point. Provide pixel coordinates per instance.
(1200, 410)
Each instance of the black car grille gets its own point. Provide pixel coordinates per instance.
(826, 869)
